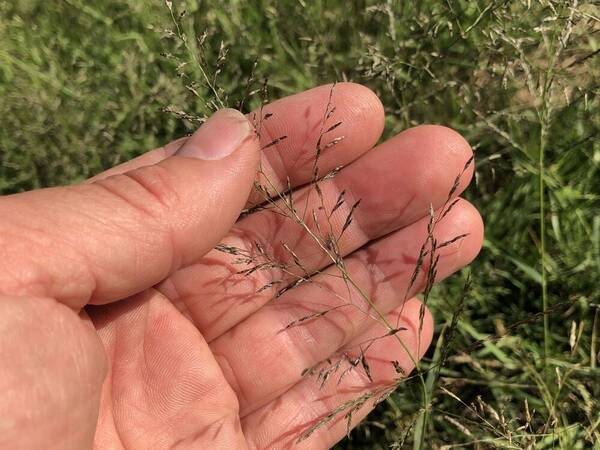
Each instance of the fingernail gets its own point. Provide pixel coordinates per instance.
(218, 137)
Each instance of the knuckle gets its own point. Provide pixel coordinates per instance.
(157, 183)
(149, 190)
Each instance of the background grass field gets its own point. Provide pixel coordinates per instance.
(84, 85)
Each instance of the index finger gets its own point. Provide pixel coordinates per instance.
(299, 118)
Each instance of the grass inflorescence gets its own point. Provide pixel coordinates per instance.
(514, 363)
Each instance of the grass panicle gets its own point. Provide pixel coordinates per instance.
(515, 357)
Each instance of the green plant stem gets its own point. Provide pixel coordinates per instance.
(542, 208)
(593, 351)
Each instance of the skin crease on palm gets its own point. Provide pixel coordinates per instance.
(121, 328)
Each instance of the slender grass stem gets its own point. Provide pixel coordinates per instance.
(542, 209)
(594, 338)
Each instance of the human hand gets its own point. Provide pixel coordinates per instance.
(179, 348)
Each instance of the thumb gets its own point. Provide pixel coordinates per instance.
(106, 240)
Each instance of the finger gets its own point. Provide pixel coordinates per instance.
(311, 322)
(106, 240)
(312, 415)
(164, 389)
(397, 182)
(298, 118)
